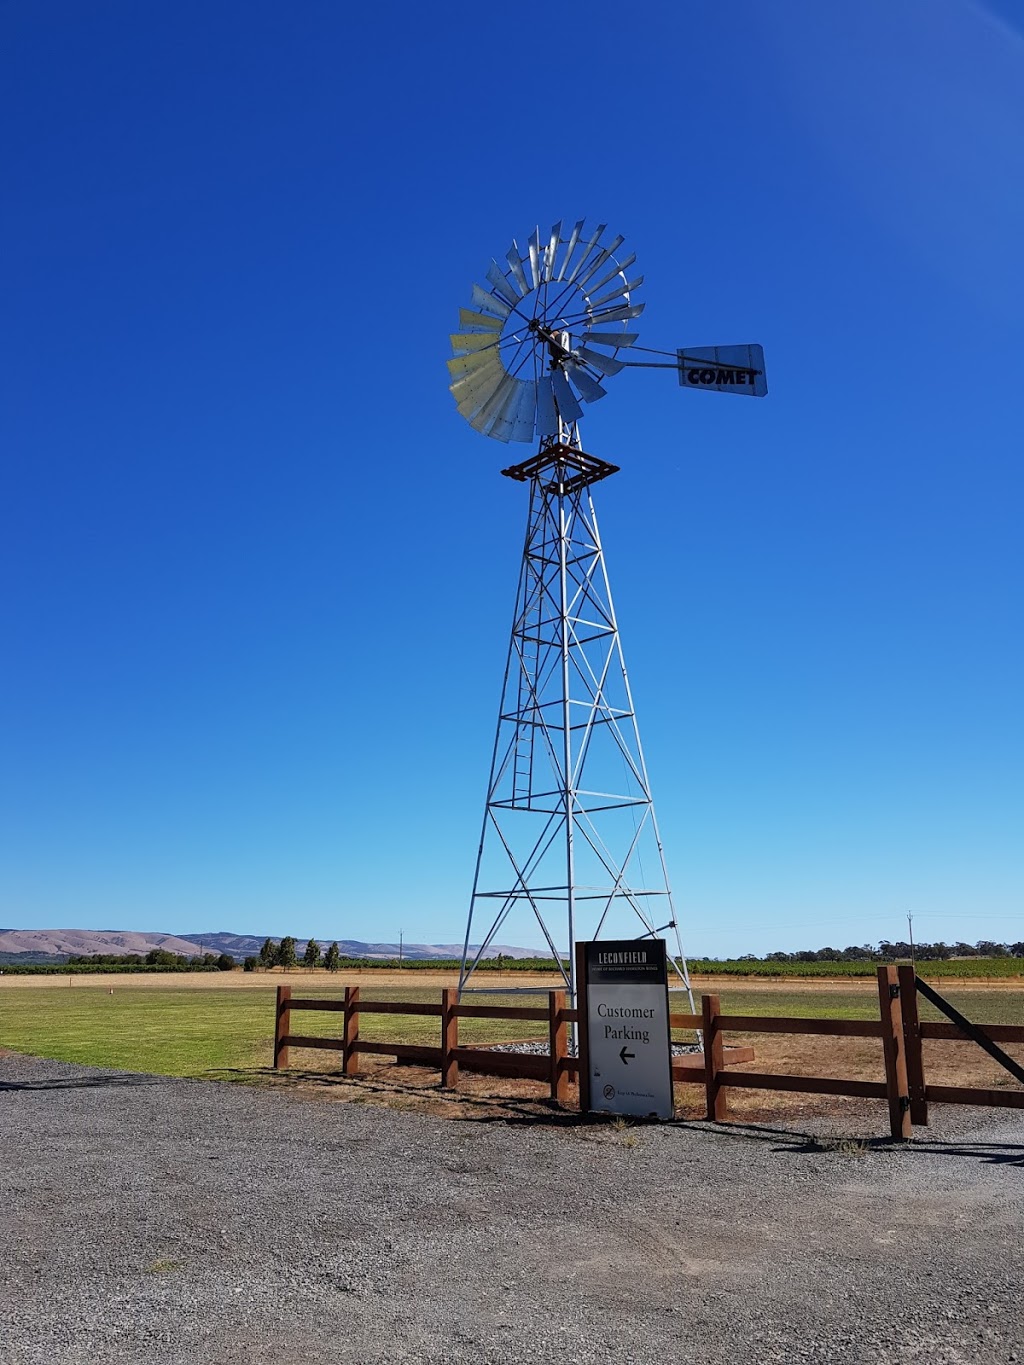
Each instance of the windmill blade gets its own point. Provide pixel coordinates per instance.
(490, 303)
(568, 408)
(547, 413)
(724, 369)
(534, 250)
(470, 405)
(497, 278)
(476, 386)
(598, 261)
(586, 252)
(619, 314)
(491, 410)
(516, 266)
(520, 394)
(613, 338)
(525, 419)
(476, 363)
(605, 363)
(623, 291)
(573, 239)
(477, 322)
(590, 389)
(552, 251)
(470, 400)
(620, 269)
(500, 426)
(476, 367)
(473, 341)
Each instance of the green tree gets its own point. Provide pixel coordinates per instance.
(286, 952)
(986, 948)
(160, 957)
(225, 963)
(331, 958)
(311, 957)
(250, 964)
(268, 953)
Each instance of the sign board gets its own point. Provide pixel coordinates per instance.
(627, 1047)
(725, 369)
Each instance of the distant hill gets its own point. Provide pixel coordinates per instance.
(248, 945)
(53, 945)
(50, 943)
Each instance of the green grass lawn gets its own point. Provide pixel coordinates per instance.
(189, 1031)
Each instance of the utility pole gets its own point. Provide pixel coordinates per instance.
(401, 947)
(910, 930)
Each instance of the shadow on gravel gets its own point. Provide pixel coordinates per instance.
(82, 1082)
(992, 1153)
(788, 1142)
(539, 1112)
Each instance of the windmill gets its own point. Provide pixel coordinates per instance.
(570, 841)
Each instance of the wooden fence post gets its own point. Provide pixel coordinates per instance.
(558, 1046)
(912, 1043)
(893, 1048)
(582, 1029)
(282, 1026)
(714, 1059)
(349, 1057)
(449, 1038)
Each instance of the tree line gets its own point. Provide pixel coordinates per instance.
(156, 957)
(895, 952)
(285, 954)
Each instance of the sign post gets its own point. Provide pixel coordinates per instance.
(625, 1039)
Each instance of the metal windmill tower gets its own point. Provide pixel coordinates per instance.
(570, 841)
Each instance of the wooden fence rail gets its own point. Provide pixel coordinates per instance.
(898, 1027)
(448, 1056)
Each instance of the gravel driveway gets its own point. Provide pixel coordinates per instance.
(151, 1221)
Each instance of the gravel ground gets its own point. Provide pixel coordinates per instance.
(159, 1221)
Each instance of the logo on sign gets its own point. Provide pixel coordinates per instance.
(709, 376)
(727, 369)
(609, 1092)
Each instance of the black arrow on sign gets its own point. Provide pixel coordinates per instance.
(626, 1055)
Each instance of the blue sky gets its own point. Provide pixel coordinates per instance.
(258, 573)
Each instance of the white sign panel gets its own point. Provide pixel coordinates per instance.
(628, 1038)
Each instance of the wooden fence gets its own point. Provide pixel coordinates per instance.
(558, 1069)
(899, 1028)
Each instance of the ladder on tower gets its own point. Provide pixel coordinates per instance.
(526, 713)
